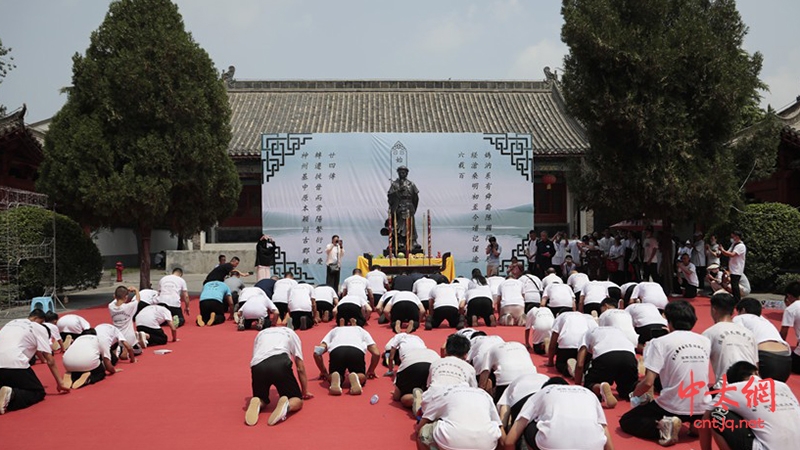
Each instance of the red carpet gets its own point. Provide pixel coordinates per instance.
(195, 397)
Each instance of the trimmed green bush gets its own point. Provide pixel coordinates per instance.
(783, 280)
(78, 261)
(771, 232)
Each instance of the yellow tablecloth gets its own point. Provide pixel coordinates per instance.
(449, 269)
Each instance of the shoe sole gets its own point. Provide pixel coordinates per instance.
(571, 363)
(142, 339)
(336, 384)
(279, 415)
(355, 384)
(673, 437)
(416, 403)
(5, 398)
(81, 381)
(608, 397)
(251, 416)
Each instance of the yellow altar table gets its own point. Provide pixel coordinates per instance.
(393, 266)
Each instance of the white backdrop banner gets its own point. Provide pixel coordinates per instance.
(318, 185)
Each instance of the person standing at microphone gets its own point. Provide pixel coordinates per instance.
(335, 253)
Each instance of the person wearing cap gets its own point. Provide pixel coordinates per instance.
(714, 277)
(403, 197)
(737, 254)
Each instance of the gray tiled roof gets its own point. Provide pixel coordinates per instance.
(532, 107)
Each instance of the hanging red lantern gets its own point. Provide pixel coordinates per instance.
(549, 180)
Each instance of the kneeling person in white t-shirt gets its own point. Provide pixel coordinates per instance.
(149, 322)
(274, 350)
(613, 362)
(560, 416)
(444, 305)
(256, 311)
(459, 417)
(540, 320)
(347, 346)
(352, 310)
(86, 361)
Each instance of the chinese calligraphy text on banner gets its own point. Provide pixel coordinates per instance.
(318, 185)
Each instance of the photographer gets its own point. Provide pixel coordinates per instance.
(335, 253)
(265, 256)
(493, 251)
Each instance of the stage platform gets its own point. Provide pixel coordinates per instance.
(395, 266)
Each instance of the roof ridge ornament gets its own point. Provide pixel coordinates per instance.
(227, 76)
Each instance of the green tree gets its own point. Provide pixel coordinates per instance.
(661, 87)
(78, 261)
(6, 65)
(142, 139)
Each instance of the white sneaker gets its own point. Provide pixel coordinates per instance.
(336, 384)
(416, 403)
(280, 412)
(668, 429)
(571, 363)
(5, 398)
(142, 339)
(355, 384)
(253, 408)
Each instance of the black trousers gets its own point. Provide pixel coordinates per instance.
(157, 335)
(795, 363)
(726, 423)
(332, 278)
(445, 312)
(689, 291)
(701, 276)
(297, 315)
(651, 270)
(642, 420)
(404, 312)
(96, 375)
(274, 371)
(349, 311)
(176, 311)
(562, 356)
(481, 307)
(26, 388)
(209, 306)
(735, 291)
(617, 367)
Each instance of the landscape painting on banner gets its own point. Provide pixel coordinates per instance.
(317, 185)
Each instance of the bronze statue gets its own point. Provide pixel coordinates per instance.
(403, 198)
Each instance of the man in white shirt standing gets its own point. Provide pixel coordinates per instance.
(172, 291)
(334, 253)
(680, 359)
(21, 340)
(530, 251)
(650, 257)
(791, 319)
(730, 342)
(274, 351)
(737, 254)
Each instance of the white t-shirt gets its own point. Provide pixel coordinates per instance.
(405, 296)
(781, 428)
(377, 281)
(353, 300)
(325, 294)
(149, 296)
(479, 351)
(387, 299)
(540, 320)
(680, 357)
(84, 354)
(508, 361)
(621, 320)
(461, 290)
(404, 343)
(791, 318)
(577, 281)
(479, 291)
(531, 288)
(763, 330)
(356, 285)
(650, 292)
(275, 341)
(153, 316)
(109, 335)
(280, 292)
(511, 293)
(644, 314)
(624, 288)
(691, 278)
(736, 262)
(348, 337)
(122, 318)
(72, 323)
(300, 297)
(596, 291)
(568, 417)
(451, 370)
(730, 343)
(521, 387)
(256, 305)
(550, 279)
(417, 355)
(20, 339)
(571, 326)
(423, 288)
(559, 296)
(604, 340)
(467, 418)
(169, 290)
(53, 330)
(650, 247)
(444, 295)
(494, 284)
